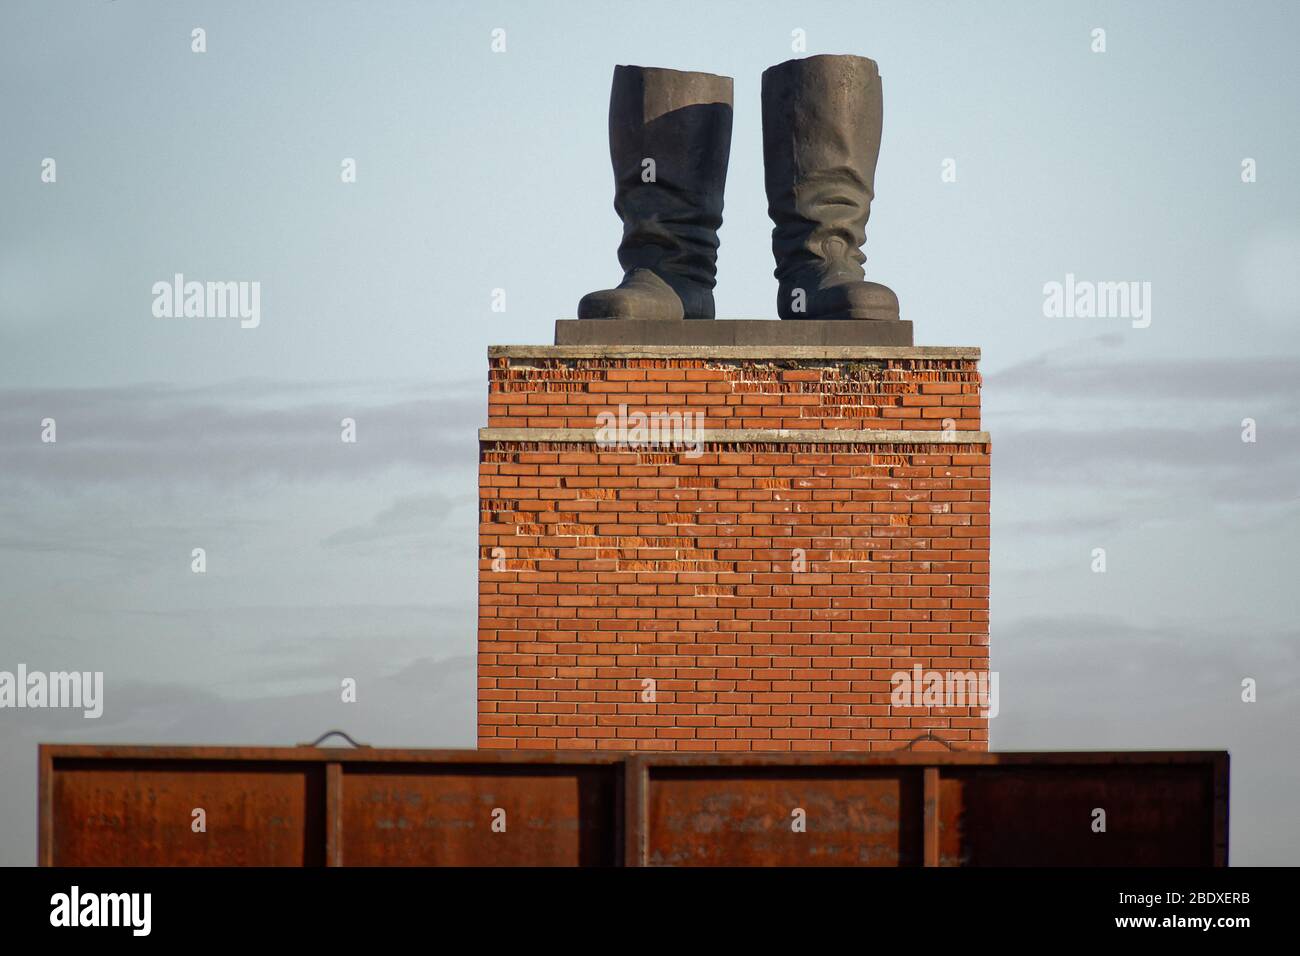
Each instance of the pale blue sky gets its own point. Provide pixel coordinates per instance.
(479, 171)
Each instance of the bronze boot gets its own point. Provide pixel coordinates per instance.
(669, 141)
(821, 137)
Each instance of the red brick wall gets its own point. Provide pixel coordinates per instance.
(613, 566)
(901, 393)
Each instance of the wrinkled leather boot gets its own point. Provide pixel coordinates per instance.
(821, 137)
(671, 208)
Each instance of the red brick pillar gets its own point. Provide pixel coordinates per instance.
(751, 587)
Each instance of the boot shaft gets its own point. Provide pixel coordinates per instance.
(822, 119)
(671, 210)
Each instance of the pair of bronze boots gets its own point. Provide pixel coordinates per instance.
(670, 139)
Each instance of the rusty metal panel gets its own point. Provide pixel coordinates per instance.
(1035, 815)
(703, 815)
(309, 806)
(480, 815)
(964, 809)
(142, 813)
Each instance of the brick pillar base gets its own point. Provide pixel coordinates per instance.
(754, 586)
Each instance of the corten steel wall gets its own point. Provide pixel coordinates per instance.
(303, 806)
(833, 531)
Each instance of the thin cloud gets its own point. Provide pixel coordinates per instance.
(154, 433)
(419, 516)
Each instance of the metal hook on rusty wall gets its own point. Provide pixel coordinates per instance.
(928, 736)
(334, 733)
